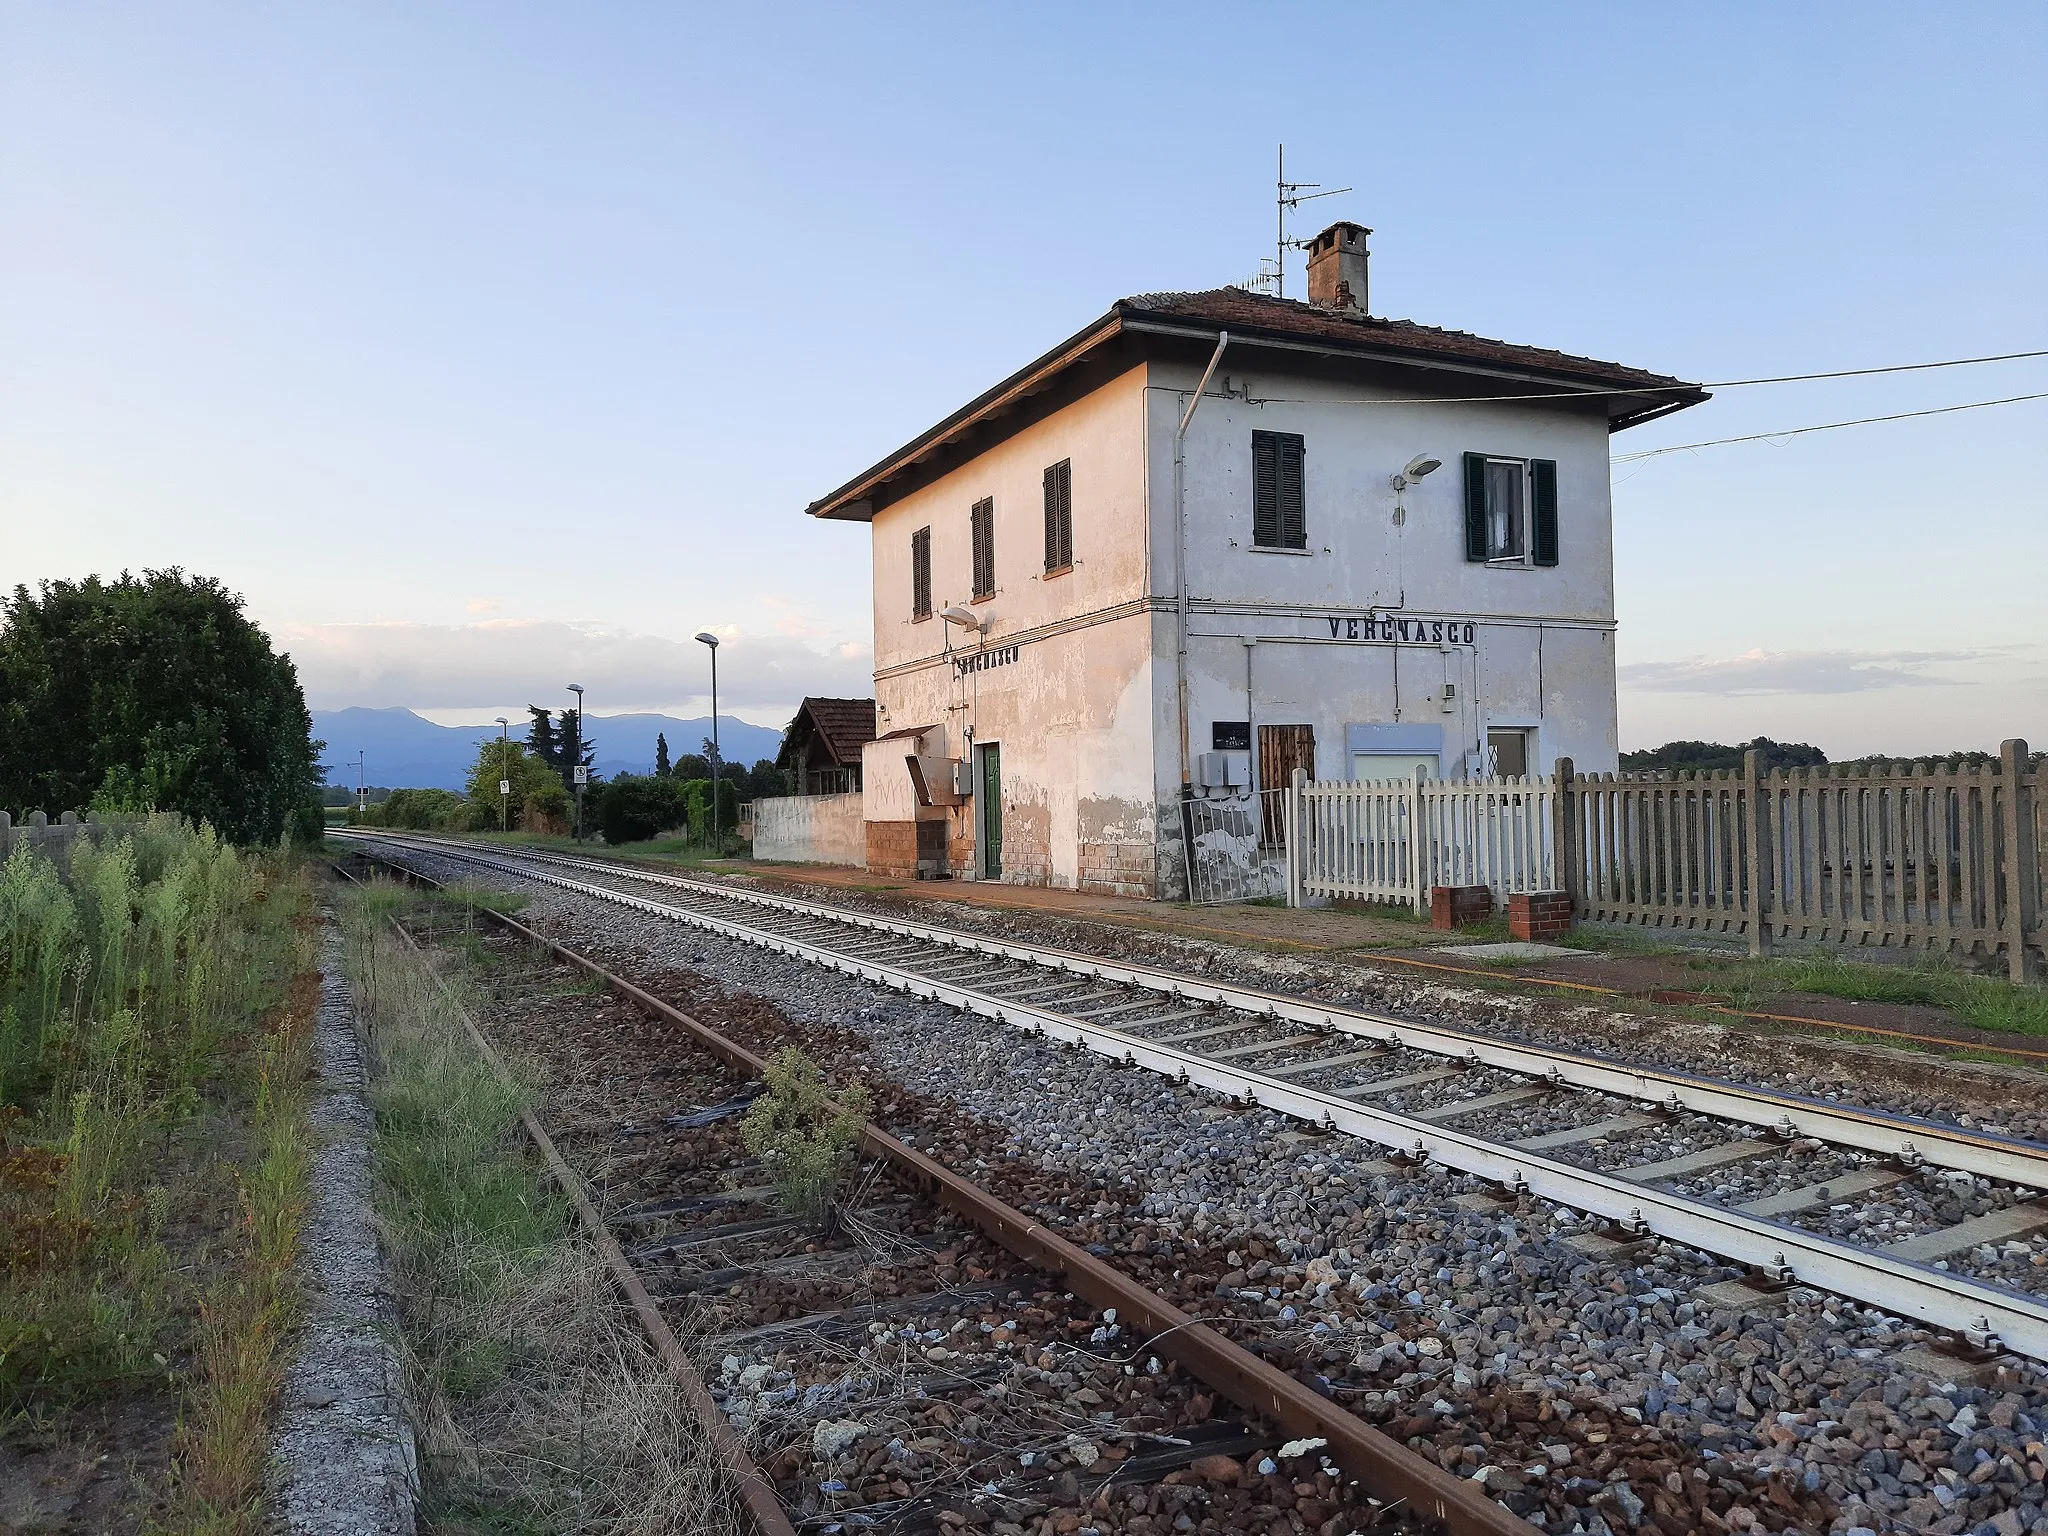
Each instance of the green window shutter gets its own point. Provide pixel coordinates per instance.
(1543, 511)
(982, 527)
(1475, 506)
(921, 573)
(1059, 515)
(1293, 497)
(1265, 489)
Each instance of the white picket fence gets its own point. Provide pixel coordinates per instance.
(1393, 839)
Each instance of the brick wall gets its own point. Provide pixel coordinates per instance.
(1455, 906)
(1118, 869)
(898, 847)
(1538, 915)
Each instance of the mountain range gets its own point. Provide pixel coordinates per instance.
(401, 750)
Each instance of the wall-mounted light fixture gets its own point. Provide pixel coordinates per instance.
(1422, 464)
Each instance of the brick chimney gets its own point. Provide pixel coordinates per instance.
(1336, 268)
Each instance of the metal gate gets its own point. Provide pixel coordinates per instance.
(1232, 850)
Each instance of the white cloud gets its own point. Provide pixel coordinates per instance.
(1849, 702)
(459, 667)
(1795, 672)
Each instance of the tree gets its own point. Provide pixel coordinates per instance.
(537, 799)
(1713, 756)
(153, 691)
(692, 765)
(572, 751)
(541, 740)
(662, 766)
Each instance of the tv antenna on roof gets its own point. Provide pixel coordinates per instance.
(1287, 196)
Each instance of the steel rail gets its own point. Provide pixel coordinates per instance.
(1385, 1466)
(2000, 1315)
(1891, 1135)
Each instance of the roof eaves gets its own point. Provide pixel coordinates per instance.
(842, 502)
(1413, 357)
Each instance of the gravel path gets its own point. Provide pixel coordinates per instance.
(342, 1446)
(1813, 1410)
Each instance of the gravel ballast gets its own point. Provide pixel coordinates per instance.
(1813, 1412)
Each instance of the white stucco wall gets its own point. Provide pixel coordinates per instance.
(810, 829)
(1541, 652)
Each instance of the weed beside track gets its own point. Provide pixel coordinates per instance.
(156, 1007)
(540, 1405)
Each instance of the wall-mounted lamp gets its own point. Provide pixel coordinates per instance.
(1422, 464)
(965, 618)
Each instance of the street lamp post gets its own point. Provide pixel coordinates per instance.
(711, 640)
(578, 774)
(504, 778)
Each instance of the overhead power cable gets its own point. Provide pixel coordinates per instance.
(1665, 389)
(1826, 426)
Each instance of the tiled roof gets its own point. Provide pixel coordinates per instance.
(844, 725)
(1469, 365)
(1237, 310)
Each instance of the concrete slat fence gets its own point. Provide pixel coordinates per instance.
(1949, 860)
(51, 838)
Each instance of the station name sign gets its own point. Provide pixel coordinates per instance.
(981, 661)
(1402, 629)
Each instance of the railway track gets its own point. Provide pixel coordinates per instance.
(939, 1360)
(1918, 1217)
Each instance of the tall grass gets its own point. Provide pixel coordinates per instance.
(542, 1407)
(152, 1144)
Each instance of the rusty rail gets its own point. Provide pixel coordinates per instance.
(1390, 1469)
(756, 1493)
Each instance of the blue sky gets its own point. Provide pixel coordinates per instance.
(489, 347)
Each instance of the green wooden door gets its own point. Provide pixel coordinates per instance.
(991, 812)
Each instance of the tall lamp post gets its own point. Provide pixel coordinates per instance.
(504, 778)
(362, 791)
(711, 640)
(578, 774)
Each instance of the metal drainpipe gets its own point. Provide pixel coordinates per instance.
(1180, 551)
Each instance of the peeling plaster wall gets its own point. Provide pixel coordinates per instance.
(1075, 677)
(1063, 680)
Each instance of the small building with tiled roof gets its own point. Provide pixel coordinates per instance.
(821, 749)
(1214, 537)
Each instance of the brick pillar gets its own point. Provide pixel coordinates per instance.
(1534, 916)
(1457, 906)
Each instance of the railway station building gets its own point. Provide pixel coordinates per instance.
(1216, 536)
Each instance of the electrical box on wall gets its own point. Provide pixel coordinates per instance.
(939, 780)
(1223, 770)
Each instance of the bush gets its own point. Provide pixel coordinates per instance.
(422, 810)
(698, 792)
(634, 807)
